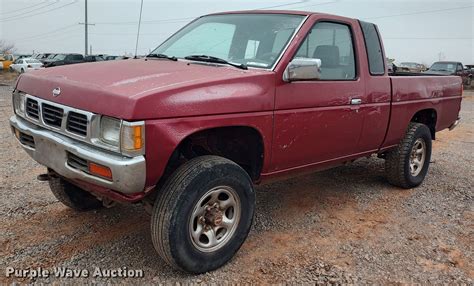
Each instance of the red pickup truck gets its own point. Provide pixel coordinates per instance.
(229, 101)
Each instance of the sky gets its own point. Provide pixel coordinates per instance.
(416, 30)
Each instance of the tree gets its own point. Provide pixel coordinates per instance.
(6, 48)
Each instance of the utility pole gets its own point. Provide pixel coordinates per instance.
(86, 27)
(138, 33)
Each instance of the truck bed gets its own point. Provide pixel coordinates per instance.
(413, 93)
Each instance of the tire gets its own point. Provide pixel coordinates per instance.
(73, 196)
(174, 218)
(468, 82)
(22, 71)
(398, 162)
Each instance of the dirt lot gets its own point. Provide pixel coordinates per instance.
(345, 225)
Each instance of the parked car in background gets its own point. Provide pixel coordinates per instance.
(6, 60)
(64, 59)
(22, 56)
(411, 67)
(189, 130)
(42, 57)
(48, 59)
(113, 58)
(25, 65)
(451, 68)
(93, 58)
(470, 70)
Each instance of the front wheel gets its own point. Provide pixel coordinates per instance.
(407, 165)
(203, 214)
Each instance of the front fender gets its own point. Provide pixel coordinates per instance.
(163, 136)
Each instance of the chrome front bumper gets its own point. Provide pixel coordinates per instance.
(51, 150)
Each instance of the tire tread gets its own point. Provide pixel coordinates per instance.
(166, 202)
(395, 159)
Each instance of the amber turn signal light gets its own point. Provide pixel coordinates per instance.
(99, 170)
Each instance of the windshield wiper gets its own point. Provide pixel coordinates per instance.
(162, 56)
(210, 59)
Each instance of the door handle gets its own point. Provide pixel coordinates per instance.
(356, 101)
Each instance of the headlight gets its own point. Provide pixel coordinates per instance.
(110, 130)
(19, 103)
(126, 137)
(133, 138)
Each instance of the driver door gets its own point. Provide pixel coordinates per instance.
(319, 121)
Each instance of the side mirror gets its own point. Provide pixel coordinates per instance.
(301, 69)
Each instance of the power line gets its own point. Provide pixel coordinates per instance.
(43, 12)
(318, 4)
(28, 12)
(176, 20)
(25, 8)
(187, 19)
(46, 33)
(427, 38)
(70, 29)
(283, 5)
(420, 12)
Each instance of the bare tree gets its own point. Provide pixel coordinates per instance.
(6, 48)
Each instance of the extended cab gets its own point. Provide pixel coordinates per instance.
(229, 101)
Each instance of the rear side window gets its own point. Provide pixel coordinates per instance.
(374, 49)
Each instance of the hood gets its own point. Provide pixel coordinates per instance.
(148, 89)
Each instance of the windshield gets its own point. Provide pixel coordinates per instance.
(410, 65)
(51, 56)
(32, 61)
(59, 57)
(449, 67)
(256, 40)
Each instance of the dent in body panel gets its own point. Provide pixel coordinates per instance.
(306, 136)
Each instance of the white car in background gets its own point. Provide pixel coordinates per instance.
(25, 65)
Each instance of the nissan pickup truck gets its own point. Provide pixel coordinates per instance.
(230, 101)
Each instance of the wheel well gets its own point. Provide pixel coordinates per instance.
(427, 117)
(243, 145)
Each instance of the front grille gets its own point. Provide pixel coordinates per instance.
(52, 115)
(32, 108)
(77, 162)
(27, 140)
(77, 123)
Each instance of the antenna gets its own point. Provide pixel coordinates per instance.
(138, 33)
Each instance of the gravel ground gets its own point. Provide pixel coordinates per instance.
(344, 225)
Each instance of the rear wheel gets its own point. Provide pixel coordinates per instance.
(73, 196)
(407, 165)
(203, 214)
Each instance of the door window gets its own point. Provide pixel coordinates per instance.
(332, 44)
